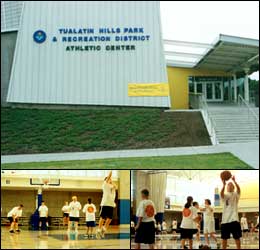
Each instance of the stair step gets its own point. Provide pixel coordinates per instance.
(235, 124)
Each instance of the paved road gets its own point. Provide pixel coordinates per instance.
(247, 152)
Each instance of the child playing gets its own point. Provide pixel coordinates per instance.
(174, 227)
(13, 217)
(196, 205)
(188, 224)
(230, 221)
(90, 210)
(244, 226)
(208, 222)
(74, 208)
(107, 206)
(145, 230)
(43, 220)
(66, 211)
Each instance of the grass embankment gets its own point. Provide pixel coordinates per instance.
(28, 131)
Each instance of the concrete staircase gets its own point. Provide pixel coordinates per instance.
(233, 124)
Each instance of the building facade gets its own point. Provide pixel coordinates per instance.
(142, 70)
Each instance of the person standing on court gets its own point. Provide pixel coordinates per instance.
(107, 205)
(13, 217)
(66, 211)
(90, 210)
(74, 208)
(43, 212)
(188, 226)
(244, 226)
(145, 229)
(209, 222)
(230, 220)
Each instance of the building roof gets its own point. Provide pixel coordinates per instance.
(228, 53)
(232, 54)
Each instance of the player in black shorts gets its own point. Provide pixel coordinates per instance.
(13, 217)
(107, 206)
(230, 220)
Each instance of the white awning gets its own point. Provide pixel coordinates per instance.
(227, 53)
(232, 54)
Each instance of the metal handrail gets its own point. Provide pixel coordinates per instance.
(250, 110)
(210, 121)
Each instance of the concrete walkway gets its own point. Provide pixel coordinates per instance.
(247, 152)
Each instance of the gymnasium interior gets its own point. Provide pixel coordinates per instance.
(169, 190)
(29, 187)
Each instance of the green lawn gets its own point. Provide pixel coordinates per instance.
(28, 131)
(203, 161)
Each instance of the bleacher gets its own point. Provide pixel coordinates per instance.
(54, 222)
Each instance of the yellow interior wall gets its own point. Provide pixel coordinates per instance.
(178, 83)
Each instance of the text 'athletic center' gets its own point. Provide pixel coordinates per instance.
(112, 53)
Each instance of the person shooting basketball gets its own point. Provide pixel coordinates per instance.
(107, 206)
(230, 220)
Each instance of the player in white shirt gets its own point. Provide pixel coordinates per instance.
(174, 227)
(197, 224)
(107, 206)
(230, 221)
(164, 227)
(13, 217)
(188, 226)
(145, 229)
(208, 222)
(90, 210)
(43, 213)
(244, 225)
(66, 211)
(74, 208)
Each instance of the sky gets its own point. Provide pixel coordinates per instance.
(203, 21)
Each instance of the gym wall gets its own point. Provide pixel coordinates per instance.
(53, 199)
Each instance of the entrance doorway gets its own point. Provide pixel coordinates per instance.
(213, 91)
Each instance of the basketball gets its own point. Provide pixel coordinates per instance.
(225, 175)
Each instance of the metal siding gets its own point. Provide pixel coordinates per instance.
(46, 73)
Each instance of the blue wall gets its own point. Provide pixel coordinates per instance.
(124, 211)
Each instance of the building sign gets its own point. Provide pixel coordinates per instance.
(87, 52)
(78, 39)
(148, 89)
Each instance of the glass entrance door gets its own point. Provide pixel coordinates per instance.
(218, 87)
(209, 91)
(213, 91)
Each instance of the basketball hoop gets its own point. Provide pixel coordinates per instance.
(45, 182)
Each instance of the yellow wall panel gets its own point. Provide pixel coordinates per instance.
(178, 84)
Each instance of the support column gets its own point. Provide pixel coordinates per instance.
(235, 87)
(35, 215)
(124, 198)
(246, 85)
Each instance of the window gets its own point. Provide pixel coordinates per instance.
(191, 85)
(80, 173)
(178, 190)
(10, 15)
